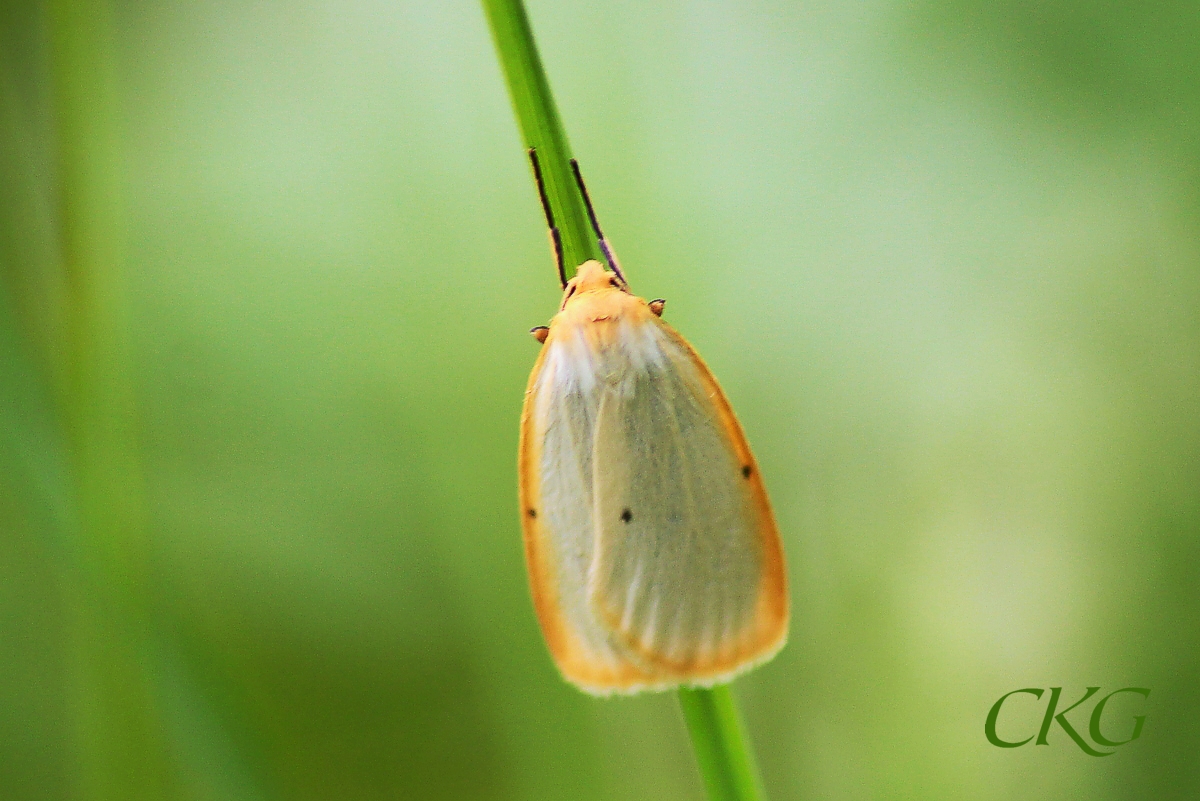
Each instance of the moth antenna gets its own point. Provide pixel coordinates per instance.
(656, 306)
(540, 332)
(555, 236)
(557, 247)
(609, 256)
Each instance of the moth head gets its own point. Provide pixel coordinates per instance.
(592, 276)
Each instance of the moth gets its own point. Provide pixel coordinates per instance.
(653, 556)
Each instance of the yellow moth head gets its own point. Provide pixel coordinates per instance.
(590, 277)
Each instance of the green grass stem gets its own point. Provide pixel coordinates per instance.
(541, 127)
(121, 747)
(722, 749)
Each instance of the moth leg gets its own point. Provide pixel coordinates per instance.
(555, 236)
(539, 332)
(656, 306)
(609, 256)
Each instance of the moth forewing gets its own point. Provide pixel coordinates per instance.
(557, 531)
(768, 633)
(687, 566)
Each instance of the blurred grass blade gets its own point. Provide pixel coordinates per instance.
(29, 265)
(721, 745)
(122, 746)
(541, 127)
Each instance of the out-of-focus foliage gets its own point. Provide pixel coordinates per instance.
(942, 256)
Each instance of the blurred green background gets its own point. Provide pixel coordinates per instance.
(942, 256)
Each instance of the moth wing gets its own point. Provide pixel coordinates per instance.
(687, 568)
(555, 474)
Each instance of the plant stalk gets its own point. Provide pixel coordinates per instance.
(722, 747)
(541, 127)
(122, 747)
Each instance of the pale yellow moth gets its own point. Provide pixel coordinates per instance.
(653, 555)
